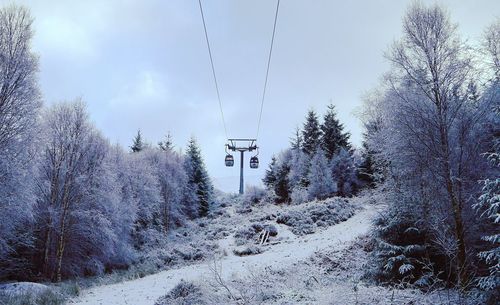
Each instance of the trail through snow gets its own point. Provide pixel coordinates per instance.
(147, 290)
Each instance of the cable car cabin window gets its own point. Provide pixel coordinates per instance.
(254, 162)
(229, 160)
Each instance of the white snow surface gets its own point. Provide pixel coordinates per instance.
(20, 288)
(146, 290)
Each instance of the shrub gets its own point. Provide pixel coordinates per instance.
(245, 251)
(254, 195)
(185, 293)
(306, 218)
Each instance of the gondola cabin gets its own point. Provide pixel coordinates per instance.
(254, 162)
(229, 160)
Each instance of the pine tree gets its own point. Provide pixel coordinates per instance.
(311, 133)
(270, 176)
(321, 184)
(198, 177)
(167, 144)
(137, 144)
(333, 138)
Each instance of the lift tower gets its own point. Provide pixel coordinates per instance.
(238, 145)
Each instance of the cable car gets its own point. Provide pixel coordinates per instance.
(254, 162)
(229, 160)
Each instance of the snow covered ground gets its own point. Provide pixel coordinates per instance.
(289, 251)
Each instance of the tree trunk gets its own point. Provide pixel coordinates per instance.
(46, 252)
(455, 203)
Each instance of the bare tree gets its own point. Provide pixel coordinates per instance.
(19, 105)
(19, 95)
(492, 45)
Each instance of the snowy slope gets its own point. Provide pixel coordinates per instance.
(148, 289)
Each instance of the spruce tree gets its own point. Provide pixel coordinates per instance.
(296, 140)
(137, 144)
(311, 133)
(333, 137)
(270, 176)
(167, 144)
(489, 206)
(198, 177)
(281, 186)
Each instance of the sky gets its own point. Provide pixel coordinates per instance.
(144, 65)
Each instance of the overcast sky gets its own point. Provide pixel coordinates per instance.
(144, 65)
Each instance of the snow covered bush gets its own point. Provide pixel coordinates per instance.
(299, 195)
(306, 218)
(247, 250)
(254, 194)
(251, 234)
(400, 247)
(183, 293)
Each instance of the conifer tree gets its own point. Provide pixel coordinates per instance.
(321, 184)
(333, 137)
(281, 186)
(270, 176)
(296, 141)
(198, 178)
(167, 144)
(344, 172)
(137, 144)
(311, 133)
(489, 205)
(366, 169)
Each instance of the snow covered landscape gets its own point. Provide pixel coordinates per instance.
(143, 187)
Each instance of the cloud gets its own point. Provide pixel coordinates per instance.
(148, 87)
(65, 36)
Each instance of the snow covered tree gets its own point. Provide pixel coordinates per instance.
(431, 68)
(344, 172)
(299, 168)
(143, 189)
(430, 133)
(321, 184)
(491, 45)
(333, 137)
(281, 186)
(19, 106)
(296, 141)
(270, 175)
(169, 170)
(77, 200)
(198, 178)
(366, 170)
(311, 133)
(489, 204)
(137, 144)
(489, 201)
